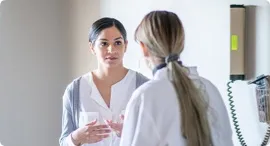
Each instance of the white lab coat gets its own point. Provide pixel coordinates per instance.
(152, 116)
(94, 107)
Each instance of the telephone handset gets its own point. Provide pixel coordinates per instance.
(237, 72)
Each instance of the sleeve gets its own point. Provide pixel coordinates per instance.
(139, 128)
(67, 123)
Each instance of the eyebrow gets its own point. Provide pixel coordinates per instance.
(114, 39)
(118, 38)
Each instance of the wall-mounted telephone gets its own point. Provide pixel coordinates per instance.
(237, 72)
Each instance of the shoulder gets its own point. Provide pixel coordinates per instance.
(206, 81)
(70, 89)
(201, 81)
(152, 88)
(140, 78)
(74, 86)
(143, 91)
(214, 96)
(140, 75)
(210, 87)
(207, 87)
(76, 82)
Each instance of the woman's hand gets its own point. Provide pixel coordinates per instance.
(90, 133)
(117, 127)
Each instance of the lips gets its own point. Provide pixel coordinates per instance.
(111, 58)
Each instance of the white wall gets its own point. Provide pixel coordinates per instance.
(207, 26)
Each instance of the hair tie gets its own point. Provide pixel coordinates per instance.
(171, 58)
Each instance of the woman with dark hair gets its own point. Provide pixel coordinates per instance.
(94, 102)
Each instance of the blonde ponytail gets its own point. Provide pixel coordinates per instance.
(163, 34)
(195, 126)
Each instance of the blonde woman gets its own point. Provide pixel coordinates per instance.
(176, 107)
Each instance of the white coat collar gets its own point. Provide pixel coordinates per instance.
(163, 73)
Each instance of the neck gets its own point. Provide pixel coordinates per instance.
(110, 75)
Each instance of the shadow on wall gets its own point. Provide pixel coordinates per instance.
(250, 43)
(35, 69)
(257, 41)
(83, 14)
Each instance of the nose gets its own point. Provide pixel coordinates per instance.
(110, 49)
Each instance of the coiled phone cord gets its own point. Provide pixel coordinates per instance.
(235, 120)
(266, 137)
(234, 117)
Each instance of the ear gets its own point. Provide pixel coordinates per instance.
(144, 49)
(91, 46)
(126, 44)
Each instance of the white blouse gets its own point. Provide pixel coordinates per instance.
(94, 107)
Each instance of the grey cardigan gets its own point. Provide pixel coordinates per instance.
(71, 107)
